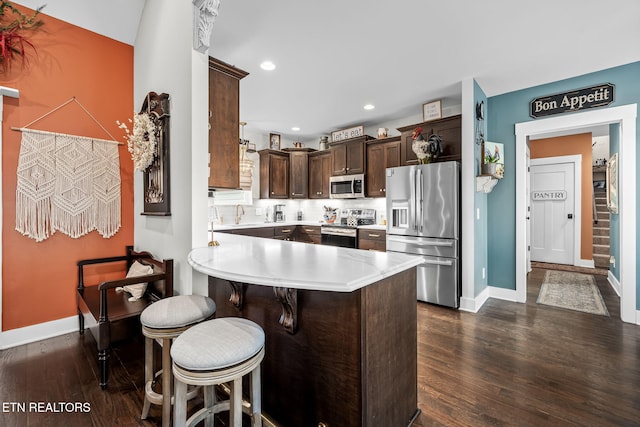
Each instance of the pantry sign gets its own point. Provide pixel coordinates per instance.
(576, 100)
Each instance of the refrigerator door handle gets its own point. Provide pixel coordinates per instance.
(437, 262)
(412, 202)
(419, 200)
(402, 239)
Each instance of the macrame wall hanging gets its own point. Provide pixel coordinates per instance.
(67, 183)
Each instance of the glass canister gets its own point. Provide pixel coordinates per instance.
(324, 143)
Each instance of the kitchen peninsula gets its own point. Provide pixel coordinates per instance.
(340, 327)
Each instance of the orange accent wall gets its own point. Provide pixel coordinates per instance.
(39, 279)
(567, 146)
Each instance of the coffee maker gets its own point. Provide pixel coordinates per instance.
(278, 213)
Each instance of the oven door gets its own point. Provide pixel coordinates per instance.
(342, 238)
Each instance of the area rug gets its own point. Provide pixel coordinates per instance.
(574, 291)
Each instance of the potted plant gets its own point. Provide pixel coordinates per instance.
(491, 159)
(13, 27)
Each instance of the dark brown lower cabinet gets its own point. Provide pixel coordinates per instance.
(352, 360)
(375, 240)
(287, 232)
(308, 234)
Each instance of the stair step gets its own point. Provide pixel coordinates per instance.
(601, 240)
(600, 231)
(601, 261)
(601, 249)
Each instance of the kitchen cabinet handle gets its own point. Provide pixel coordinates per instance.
(286, 231)
(373, 235)
(347, 168)
(273, 192)
(309, 230)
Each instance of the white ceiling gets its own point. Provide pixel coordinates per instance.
(335, 56)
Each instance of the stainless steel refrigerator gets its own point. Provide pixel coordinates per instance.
(423, 218)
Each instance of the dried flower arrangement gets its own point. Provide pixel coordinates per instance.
(13, 26)
(142, 140)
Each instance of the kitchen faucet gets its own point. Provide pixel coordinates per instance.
(239, 216)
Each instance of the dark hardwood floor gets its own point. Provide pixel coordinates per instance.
(515, 364)
(510, 364)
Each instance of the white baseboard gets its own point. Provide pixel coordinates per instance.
(503, 294)
(29, 334)
(614, 283)
(588, 263)
(637, 317)
(473, 304)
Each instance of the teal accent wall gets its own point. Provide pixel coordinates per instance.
(504, 111)
(480, 200)
(614, 225)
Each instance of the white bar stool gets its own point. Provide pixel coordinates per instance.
(214, 352)
(165, 320)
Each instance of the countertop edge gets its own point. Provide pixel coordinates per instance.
(310, 282)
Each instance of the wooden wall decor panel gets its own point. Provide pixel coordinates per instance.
(157, 177)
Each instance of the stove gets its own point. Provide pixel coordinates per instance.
(345, 233)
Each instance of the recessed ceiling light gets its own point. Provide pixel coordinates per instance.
(295, 128)
(369, 107)
(268, 66)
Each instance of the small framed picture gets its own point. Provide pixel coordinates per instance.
(274, 141)
(432, 110)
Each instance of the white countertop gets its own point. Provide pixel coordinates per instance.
(265, 224)
(296, 265)
(285, 224)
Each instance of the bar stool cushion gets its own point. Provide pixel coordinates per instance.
(178, 311)
(217, 344)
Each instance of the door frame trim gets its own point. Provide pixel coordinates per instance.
(625, 115)
(576, 160)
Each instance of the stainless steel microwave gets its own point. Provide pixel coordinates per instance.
(346, 186)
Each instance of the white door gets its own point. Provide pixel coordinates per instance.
(552, 213)
(528, 160)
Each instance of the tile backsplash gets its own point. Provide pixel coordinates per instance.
(312, 209)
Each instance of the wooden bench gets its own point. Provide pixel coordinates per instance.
(108, 314)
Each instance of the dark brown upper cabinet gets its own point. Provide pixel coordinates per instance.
(299, 172)
(319, 173)
(381, 154)
(274, 174)
(449, 129)
(348, 157)
(224, 122)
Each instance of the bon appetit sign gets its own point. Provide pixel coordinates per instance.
(576, 100)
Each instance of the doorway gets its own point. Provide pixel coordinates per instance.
(555, 216)
(625, 116)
